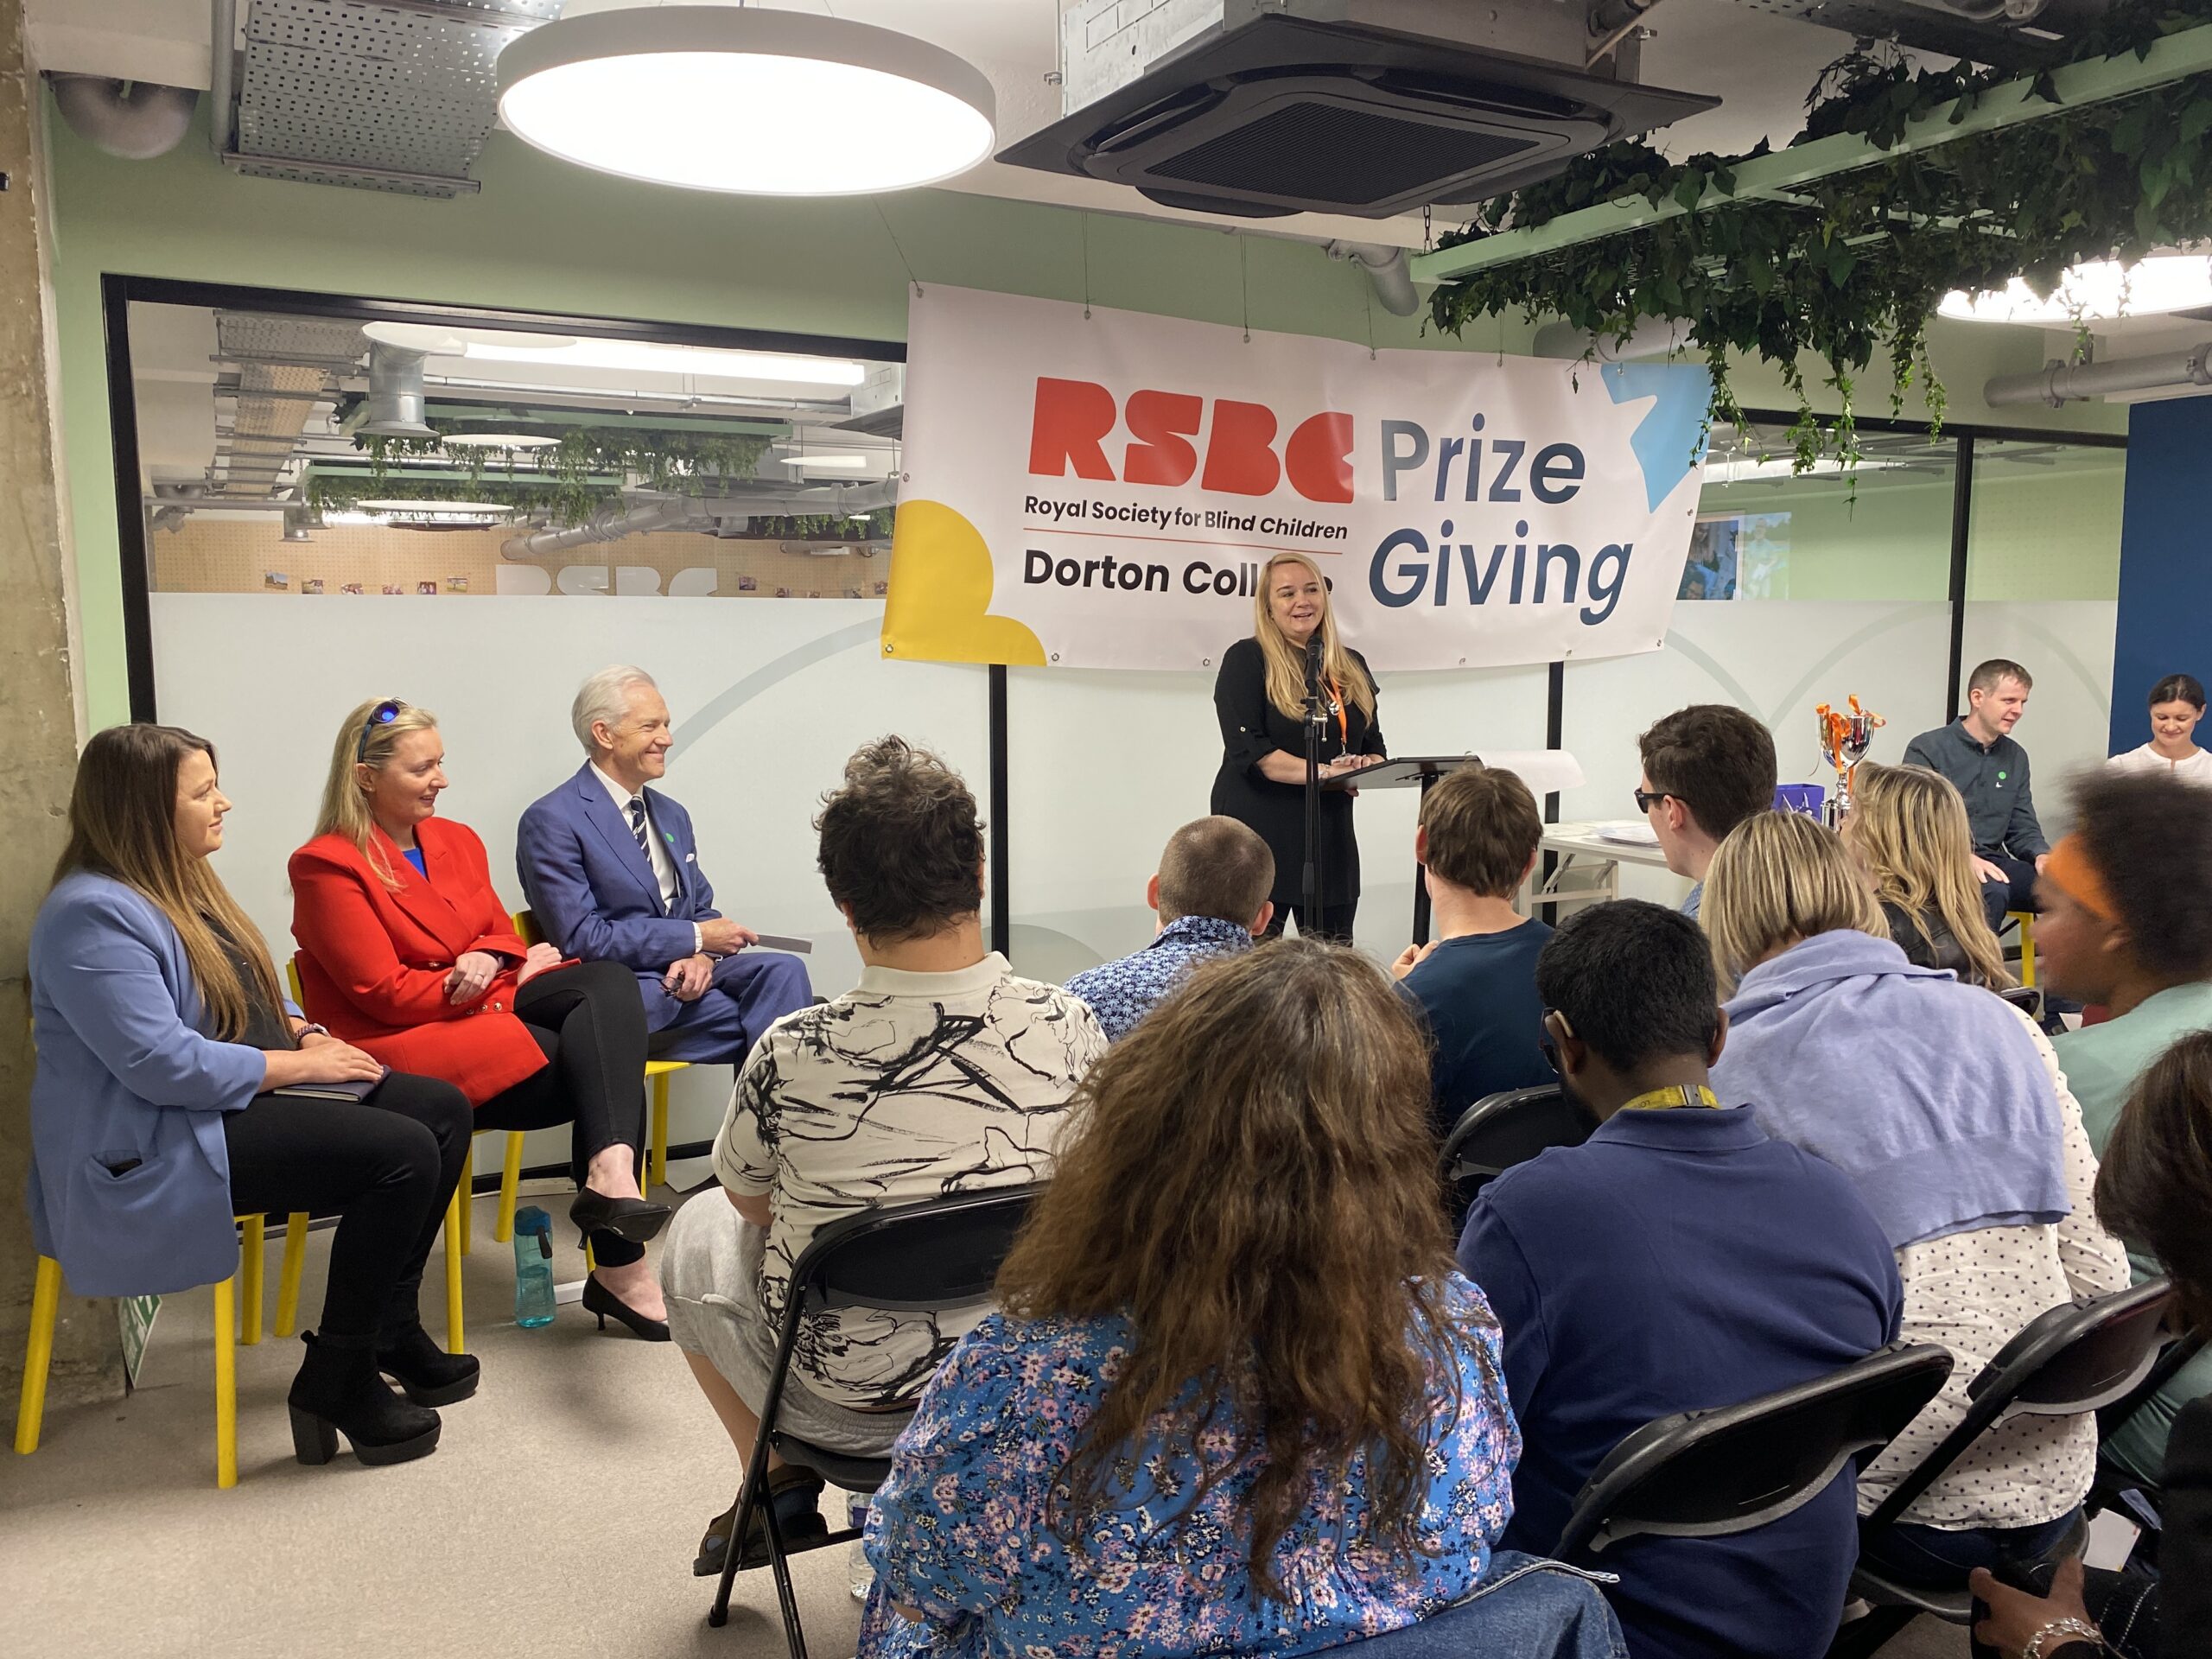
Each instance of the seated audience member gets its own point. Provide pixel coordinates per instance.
(2177, 704)
(1706, 769)
(1210, 895)
(405, 949)
(611, 874)
(1947, 1110)
(1235, 1400)
(1476, 982)
(941, 1072)
(1771, 1273)
(2127, 923)
(1989, 769)
(2156, 1185)
(1908, 827)
(162, 1103)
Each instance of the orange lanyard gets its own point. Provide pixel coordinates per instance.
(1343, 724)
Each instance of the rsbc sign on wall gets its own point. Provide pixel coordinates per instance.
(1104, 492)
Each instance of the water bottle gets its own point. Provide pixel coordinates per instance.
(860, 1574)
(533, 1267)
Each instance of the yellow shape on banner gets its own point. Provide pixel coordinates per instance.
(938, 608)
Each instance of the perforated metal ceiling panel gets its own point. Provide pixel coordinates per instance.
(286, 367)
(380, 94)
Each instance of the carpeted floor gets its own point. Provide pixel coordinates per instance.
(556, 1520)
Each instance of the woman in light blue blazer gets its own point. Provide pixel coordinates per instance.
(177, 1086)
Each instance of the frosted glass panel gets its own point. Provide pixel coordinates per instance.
(1778, 661)
(1104, 766)
(768, 700)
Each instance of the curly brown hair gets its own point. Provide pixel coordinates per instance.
(1254, 1189)
(901, 847)
(2154, 1182)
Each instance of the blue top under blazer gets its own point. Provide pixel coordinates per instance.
(127, 1070)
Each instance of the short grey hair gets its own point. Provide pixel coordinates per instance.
(605, 696)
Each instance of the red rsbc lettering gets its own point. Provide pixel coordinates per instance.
(1068, 427)
(1317, 458)
(1163, 423)
(1072, 419)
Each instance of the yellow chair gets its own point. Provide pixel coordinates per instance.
(296, 1241)
(658, 1073)
(2026, 918)
(38, 1357)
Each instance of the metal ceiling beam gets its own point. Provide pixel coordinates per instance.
(2097, 80)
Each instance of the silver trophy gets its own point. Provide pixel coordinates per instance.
(1845, 736)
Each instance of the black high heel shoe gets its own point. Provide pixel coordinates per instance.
(338, 1391)
(598, 1299)
(638, 1220)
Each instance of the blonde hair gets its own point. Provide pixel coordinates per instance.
(345, 801)
(1779, 877)
(1909, 825)
(1287, 663)
(123, 825)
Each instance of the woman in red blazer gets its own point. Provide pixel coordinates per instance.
(406, 952)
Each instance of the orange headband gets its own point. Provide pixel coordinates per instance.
(2069, 868)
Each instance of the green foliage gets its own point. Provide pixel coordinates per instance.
(813, 526)
(1858, 261)
(570, 482)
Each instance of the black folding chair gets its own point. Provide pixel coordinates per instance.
(2027, 999)
(942, 1257)
(1704, 1474)
(2113, 1484)
(2080, 1356)
(1499, 1131)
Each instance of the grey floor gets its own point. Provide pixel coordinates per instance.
(558, 1516)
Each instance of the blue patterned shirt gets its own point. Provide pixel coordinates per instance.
(1123, 992)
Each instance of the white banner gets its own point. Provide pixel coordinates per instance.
(1102, 492)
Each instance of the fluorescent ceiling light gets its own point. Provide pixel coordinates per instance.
(635, 356)
(852, 463)
(474, 507)
(1780, 469)
(2095, 291)
(756, 101)
(498, 441)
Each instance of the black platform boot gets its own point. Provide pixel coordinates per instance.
(339, 1392)
(406, 1354)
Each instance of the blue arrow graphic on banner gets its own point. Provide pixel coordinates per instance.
(1670, 440)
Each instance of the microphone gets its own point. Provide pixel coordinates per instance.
(1317, 705)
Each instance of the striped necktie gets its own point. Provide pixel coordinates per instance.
(638, 826)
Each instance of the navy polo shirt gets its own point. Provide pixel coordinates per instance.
(1678, 1260)
(1478, 992)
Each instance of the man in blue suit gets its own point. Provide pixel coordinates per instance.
(610, 867)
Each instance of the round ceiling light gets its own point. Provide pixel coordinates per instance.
(758, 102)
(2095, 291)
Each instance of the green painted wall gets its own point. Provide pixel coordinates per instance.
(546, 236)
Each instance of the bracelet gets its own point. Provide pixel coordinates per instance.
(2063, 1627)
(310, 1029)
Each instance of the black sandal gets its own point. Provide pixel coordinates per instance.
(802, 1529)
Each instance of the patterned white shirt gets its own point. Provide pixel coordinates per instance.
(908, 1088)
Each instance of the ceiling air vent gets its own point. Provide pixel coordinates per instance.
(1267, 114)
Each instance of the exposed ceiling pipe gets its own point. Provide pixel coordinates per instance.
(395, 403)
(1390, 269)
(2056, 383)
(611, 525)
(222, 37)
(136, 120)
(1653, 337)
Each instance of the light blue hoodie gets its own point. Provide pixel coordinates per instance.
(1929, 1094)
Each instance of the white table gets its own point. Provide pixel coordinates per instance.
(1589, 865)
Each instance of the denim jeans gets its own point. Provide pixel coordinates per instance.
(1527, 1607)
(1938, 1559)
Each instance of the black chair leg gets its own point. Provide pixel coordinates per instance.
(747, 1495)
(1863, 1637)
(786, 1599)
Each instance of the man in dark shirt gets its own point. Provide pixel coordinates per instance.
(1977, 753)
(1477, 983)
(1678, 1260)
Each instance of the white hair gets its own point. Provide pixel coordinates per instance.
(605, 696)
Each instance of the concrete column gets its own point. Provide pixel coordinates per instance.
(36, 672)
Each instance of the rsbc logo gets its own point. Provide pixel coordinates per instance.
(1073, 419)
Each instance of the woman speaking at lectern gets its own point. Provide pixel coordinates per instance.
(1260, 697)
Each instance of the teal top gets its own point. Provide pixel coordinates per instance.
(2102, 1064)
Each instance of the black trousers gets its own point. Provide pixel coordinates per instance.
(1334, 922)
(385, 1167)
(2016, 892)
(590, 1021)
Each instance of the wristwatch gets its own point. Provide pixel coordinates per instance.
(2067, 1627)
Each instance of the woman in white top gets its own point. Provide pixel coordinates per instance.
(2177, 704)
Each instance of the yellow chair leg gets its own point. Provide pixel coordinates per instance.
(467, 1194)
(226, 1387)
(38, 1356)
(457, 1343)
(510, 1181)
(252, 1251)
(657, 1153)
(2027, 949)
(591, 1263)
(287, 1277)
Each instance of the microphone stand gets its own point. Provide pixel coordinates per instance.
(1316, 720)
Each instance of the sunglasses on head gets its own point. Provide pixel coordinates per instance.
(383, 714)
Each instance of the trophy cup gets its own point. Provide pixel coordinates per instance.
(1844, 739)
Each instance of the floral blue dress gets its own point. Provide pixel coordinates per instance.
(959, 1532)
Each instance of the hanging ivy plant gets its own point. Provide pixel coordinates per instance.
(1858, 261)
(868, 526)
